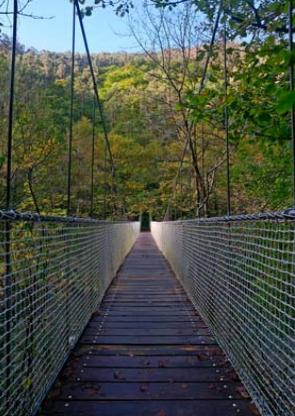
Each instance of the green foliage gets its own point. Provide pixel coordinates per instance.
(286, 100)
(121, 7)
(245, 17)
(146, 114)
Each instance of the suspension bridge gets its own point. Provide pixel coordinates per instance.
(192, 317)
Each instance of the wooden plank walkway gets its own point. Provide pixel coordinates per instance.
(146, 352)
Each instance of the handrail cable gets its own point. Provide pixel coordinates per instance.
(201, 86)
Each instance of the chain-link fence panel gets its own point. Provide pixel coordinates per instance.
(54, 272)
(239, 272)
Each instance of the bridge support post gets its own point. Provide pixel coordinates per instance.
(8, 271)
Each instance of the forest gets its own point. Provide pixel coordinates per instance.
(197, 122)
(166, 117)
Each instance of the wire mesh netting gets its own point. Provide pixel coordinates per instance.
(54, 273)
(239, 273)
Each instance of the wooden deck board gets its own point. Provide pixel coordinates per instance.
(146, 352)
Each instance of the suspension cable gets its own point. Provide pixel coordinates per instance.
(291, 82)
(176, 179)
(105, 182)
(8, 268)
(92, 158)
(70, 150)
(212, 41)
(100, 107)
(11, 108)
(226, 117)
(201, 87)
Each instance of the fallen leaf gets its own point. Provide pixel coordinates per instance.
(161, 413)
(54, 394)
(143, 387)
(118, 375)
(162, 364)
(242, 392)
(92, 391)
(254, 410)
(233, 376)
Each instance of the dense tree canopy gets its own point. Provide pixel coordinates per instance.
(154, 105)
(246, 16)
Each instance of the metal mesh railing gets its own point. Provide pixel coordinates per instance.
(54, 272)
(239, 273)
